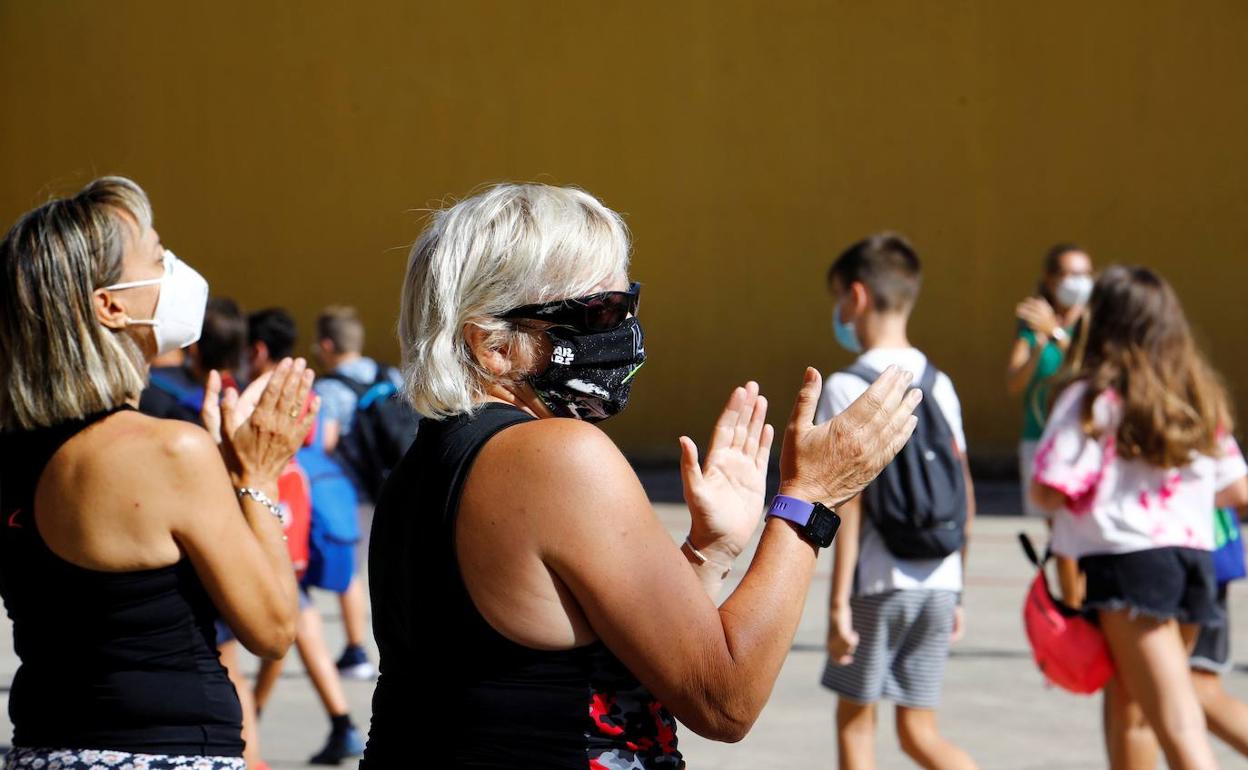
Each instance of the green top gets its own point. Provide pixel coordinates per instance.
(1036, 396)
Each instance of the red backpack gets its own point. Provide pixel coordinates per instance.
(1070, 651)
(295, 500)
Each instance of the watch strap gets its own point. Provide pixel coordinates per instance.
(791, 509)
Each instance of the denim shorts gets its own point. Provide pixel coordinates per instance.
(1160, 583)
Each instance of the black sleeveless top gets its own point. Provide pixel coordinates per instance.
(454, 692)
(125, 661)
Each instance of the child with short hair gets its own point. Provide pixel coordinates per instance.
(896, 582)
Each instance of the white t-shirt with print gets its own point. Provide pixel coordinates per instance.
(879, 570)
(1116, 505)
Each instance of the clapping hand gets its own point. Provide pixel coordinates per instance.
(725, 492)
(834, 461)
(261, 429)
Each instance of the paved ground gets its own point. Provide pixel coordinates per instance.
(995, 703)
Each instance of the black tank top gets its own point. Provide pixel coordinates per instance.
(125, 661)
(454, 692)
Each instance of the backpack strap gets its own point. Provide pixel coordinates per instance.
(383, 387)
(928, 380)
(357, 387)
(379, 390)
(1029, 551)
(861, 371)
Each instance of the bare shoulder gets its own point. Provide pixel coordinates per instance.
(114, 497)
(572, 448)
(556, 466)
(153, 447)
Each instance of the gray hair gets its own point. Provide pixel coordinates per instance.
(512, 245)
(57, 361)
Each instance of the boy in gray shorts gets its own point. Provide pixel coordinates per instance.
(892, 617)
(1226, 715)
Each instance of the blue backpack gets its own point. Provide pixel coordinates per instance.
(335, 520)
(1228, 551)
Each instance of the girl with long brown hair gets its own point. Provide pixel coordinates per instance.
(1136, 453)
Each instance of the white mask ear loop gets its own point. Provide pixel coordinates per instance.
(145, 282)
(167, 259)
(134, 284)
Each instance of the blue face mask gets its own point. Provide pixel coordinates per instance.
(845, 334)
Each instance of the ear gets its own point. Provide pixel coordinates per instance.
(327, 346)
(858, 299)
(495, 360)
(108, 311)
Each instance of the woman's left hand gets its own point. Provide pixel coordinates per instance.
(239, 406)
(725, 493)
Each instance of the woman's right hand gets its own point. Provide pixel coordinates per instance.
(1038, 315)
(258, 447)
(836, 460)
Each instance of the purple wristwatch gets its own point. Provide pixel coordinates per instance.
(816, 522)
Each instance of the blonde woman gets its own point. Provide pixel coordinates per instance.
(123, 537)
(525, 597)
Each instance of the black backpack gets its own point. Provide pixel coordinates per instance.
(918, 502)
(383, 428)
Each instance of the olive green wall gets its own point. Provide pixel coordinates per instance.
(289, 148)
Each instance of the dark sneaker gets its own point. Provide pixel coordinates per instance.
(354, 664)
(342, 744)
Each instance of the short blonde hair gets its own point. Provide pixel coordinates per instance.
(512, 245)
(57, 361)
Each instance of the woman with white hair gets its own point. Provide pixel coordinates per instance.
(530, 609)
(123, 536)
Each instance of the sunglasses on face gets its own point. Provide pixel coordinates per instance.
(599, 312)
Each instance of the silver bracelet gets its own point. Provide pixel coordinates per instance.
(266, 501)
(701, 559)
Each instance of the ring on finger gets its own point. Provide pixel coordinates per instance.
(294, 413)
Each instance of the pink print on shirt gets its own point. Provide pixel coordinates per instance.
(1117, 504)
(1079, 485)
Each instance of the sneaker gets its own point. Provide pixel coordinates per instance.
(354, 664)
(341, 745)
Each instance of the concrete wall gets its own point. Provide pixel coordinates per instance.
(290, 147)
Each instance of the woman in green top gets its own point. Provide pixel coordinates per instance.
(1045, 324)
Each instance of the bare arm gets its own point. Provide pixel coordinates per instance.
(331, 431)
(842, 639)
(725, 493)
(714, 668)
(1023, 362)
(243, 560)
(1046, 497)
(1234, 495)
(240, 556)
(1024, 357)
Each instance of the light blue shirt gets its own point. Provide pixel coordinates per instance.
(338, 400)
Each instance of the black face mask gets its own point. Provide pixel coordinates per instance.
(590, 374)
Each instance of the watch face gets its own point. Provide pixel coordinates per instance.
(822, 526)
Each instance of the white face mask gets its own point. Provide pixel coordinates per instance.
(1074, 290)
(179, 316)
